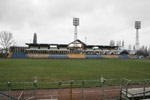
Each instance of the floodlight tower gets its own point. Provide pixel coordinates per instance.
(75, 23)
(137, 27)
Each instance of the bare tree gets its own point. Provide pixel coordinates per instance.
(143, 51)
(112, 43)
(6, 39)
(119, 42)
(122, 43)
(129, 47)
(134, 47)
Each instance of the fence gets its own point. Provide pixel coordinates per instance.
(135, 90)
(103, 89)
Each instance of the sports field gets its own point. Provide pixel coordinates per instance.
(24, 70)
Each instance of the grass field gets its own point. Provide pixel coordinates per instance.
(21, 70)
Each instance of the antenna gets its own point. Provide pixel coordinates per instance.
(85, 40)
(137, 27)
(75, 23)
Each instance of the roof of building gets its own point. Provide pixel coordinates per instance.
(74, 42)
(77, 40)
(40, 44)
(100, 46)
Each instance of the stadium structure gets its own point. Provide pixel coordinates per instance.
(75, 49)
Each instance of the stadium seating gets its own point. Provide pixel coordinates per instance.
(19, 55)
(110, 56)
(94, 57)
(124, 57)
(79, 56)
(38, 56)
(67, 56)
(131, 57)
(58, 56)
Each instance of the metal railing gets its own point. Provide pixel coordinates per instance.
(103, 89)
(134, 90)
(4, 96)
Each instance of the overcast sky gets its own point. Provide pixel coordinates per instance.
(100, 20)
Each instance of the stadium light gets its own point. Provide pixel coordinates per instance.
(75, 23)
(137, 27)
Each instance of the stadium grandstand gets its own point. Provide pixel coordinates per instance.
(75, 49)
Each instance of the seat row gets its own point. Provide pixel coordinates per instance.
(19, 55)
(67, 56)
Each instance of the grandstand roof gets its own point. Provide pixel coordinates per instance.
(100, 46)
(60, 45)
(74, 42)
(77, 41)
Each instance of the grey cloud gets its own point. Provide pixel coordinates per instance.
(100, 20)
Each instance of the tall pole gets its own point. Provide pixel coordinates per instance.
(137, 39)
(75, 33)
(137, 27)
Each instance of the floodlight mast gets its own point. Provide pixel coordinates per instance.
(75, 33)
(137, 27)
(75, 23)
